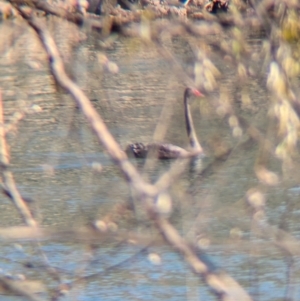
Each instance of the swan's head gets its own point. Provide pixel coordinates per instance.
(192, 92)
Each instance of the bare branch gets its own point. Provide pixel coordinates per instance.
(8, 180)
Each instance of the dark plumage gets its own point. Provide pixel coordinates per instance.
(161, 151)
(170, 151)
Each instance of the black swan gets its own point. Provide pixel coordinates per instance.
(170, 151)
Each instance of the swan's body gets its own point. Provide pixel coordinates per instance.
(160, 150)
(170, 151)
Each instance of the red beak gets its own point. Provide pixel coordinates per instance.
(197, 93)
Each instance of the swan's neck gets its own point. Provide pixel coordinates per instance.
(190, 126)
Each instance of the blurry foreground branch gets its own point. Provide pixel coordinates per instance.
(9, 185)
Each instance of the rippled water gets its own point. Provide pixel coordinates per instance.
(52, 153)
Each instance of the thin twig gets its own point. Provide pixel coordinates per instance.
(8, 181)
